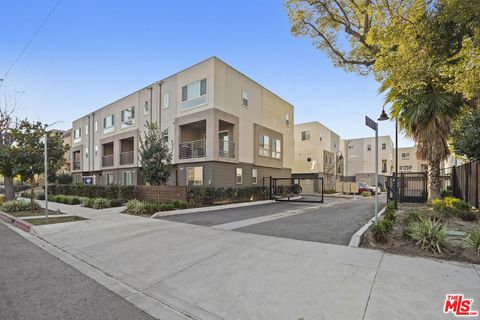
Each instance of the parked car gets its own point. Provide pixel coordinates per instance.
(364, 187)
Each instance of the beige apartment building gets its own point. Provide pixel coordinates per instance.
(408, 162)
(224, 130)
(317, 153)
(359, 155)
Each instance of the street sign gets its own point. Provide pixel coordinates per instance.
(370, 123)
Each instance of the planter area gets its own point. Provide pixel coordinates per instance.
(449, 229)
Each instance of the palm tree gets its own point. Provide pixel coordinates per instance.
(426, 115)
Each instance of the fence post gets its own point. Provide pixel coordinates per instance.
(453, 178)
(270, 187)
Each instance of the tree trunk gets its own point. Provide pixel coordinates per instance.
(434, 182)
(32, 195)
(9, 188)
(158, 195)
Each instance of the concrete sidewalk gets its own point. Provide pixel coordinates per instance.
(206, 273)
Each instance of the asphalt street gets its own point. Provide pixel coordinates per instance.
(34, 285)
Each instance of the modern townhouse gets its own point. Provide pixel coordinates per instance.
(224, 130)
(67, 141)
(359, 157)
(408, 161)
(317, 153)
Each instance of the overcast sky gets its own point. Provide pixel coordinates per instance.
(90, 53)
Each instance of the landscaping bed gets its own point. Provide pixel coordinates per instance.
(28, 213)
(448, 230)
(53, 220)
(147, 208)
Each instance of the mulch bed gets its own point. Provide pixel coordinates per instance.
(399, 243)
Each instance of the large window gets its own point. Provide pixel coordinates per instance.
(406, 155)
(194, 94)
(128, 177)
(254, 176)
(245, 98)
(96, 125)
(369, 147)
(287, 119)
(195, 176)
(108, 123)
(384, 146)
(86, 129)
(146, 108)
(166, 100)
(128, 117)
(384, 166)
(77, 135)
(238, 175)
(276, 149)
(305, 135)
(264, 146)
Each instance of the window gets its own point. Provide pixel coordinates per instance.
(238, 175)
(406, 155)
(254, 176)
(108, 122)
(405, 167)
(320, 138)
(77, 135)
(96, 125)
(146, 108)
(384, 166)
(165, 135)
(86, 152)
(264, 146)
(287, 119)
(109, 178)
(96, 150)
(128, 178)
(195, 176)
(305, 135)
(194, 94)
(384, 146)
(309, 159)
(276, 148)
(350, 147)
(369, 147)
(128, 117)
(166, 100)
(86, 129)
(245, 98)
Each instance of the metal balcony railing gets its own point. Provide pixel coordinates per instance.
(192, 149)
(76, 165)
(107, 161)
(126, 157)
(226, 149)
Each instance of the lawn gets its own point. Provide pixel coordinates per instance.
(40, 212)
(52, 220)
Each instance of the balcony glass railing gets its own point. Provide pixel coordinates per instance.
(126, 157)
(192, 149)
(107, 161)
(226, 149)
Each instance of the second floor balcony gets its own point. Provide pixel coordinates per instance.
(126, 157)
(107, 160)
(226, 149)
(192, 149)
(76, 165)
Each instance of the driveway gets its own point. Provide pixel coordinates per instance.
(334, 221)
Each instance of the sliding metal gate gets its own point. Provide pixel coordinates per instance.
(295, 189)
(412, 186)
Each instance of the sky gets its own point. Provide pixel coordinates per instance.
(90, 53)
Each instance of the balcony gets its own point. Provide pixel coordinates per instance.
(226, 149)
(76, 165)
(192, 149)
(126, 157)
(107, 161)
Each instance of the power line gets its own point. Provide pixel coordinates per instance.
(31, 39)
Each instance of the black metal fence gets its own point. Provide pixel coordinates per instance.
(465, 182)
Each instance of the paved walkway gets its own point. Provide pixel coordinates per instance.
(208, 273)
(37, 286)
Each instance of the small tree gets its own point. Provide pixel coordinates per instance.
(29, 151)
(7, 156)
(155, 157)
(466, 135)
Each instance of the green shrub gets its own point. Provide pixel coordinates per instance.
(429, 234)
(88, 202)
(330, 191)
(366, 194)
(390, 215)
(445, 193)
(138, 207)
(381, 229)
(180, 204)
(18, 205)
(101, 203)
(208, 195)
(450, 206)
(473, 240)
(93, 191)
(166, 207)
(413, 217)
(116, 202)
(64, 178)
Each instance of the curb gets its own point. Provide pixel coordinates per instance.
(355, 240)
(17, 222)
(208, 209)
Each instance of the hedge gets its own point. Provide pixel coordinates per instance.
(108, 192)
(209, 195)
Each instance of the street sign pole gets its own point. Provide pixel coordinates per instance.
(374, 126)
